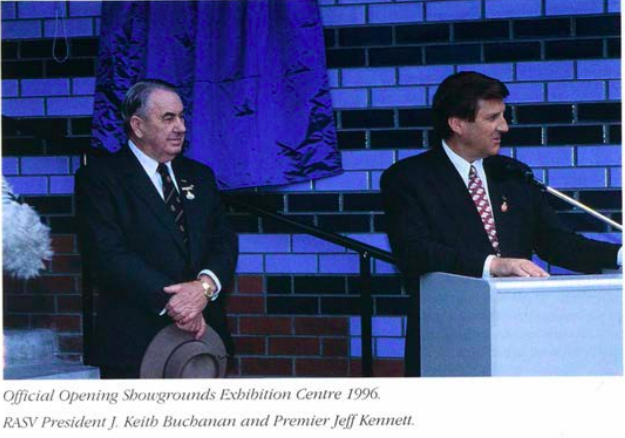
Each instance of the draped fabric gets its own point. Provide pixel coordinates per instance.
(251, 75)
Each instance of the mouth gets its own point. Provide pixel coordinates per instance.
(176, 141)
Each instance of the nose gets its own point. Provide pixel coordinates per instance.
(180, 126)
(503, 126)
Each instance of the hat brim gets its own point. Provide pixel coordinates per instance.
(166, 341)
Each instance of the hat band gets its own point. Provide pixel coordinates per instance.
(183, 355)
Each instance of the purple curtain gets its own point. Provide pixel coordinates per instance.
(251, 75)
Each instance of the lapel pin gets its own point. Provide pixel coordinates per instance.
(188, 192)
(504, 205)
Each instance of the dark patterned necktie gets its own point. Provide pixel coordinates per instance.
(478, 194)
(173, 201)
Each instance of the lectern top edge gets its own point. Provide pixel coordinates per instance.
(558, 283)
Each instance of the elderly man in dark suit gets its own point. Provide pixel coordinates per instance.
(154, 234)
(461, 208)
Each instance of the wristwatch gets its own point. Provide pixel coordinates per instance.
(208, 289)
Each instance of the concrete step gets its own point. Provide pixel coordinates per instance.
(29, 346)
(57, 371)
(33, 354)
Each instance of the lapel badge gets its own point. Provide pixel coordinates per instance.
(504, 205)
(188, 192)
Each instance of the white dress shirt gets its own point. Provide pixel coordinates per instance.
(150, 166)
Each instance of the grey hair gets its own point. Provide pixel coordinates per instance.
(136, 99)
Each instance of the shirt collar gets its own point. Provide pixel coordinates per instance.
(463, 166)
(148, 163)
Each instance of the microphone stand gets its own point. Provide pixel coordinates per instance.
(587, 209)
(530, 177)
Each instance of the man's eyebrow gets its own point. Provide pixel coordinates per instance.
(495, 113)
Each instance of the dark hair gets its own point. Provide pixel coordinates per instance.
(458, 95)
(137, 97)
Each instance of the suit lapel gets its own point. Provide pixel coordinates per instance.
(458, 202)
(140, 184)
(192, 202)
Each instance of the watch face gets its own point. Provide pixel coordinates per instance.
(208, 290)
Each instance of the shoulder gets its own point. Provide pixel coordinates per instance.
(195, 167)
(412, 166)
(195, 171)
(502, 161)
(101, 166)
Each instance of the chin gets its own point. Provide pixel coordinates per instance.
(172, 153)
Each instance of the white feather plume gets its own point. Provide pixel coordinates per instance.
(25, 240)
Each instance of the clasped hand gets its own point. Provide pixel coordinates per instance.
(186, 305)
(197, 326)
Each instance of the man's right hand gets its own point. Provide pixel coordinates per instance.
(507, 267)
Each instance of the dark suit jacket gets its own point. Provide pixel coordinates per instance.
(133, 250)
(433, 226)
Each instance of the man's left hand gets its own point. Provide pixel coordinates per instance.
(197, 326)
(187, 302)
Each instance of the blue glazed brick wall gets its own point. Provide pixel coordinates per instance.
(295, 303)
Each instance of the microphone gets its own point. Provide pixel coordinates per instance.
(502, 167)
(523, 171)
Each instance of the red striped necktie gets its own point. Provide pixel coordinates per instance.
(478, 194)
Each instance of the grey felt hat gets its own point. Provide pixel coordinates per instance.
(176, 354)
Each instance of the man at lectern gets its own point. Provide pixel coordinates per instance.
(462, 208)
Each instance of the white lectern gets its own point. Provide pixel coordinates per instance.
(558, 326)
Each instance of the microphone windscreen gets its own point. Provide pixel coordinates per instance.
(520, 169)
(502, 167)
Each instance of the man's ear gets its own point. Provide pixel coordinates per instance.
(135, 126)
(456, 124)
